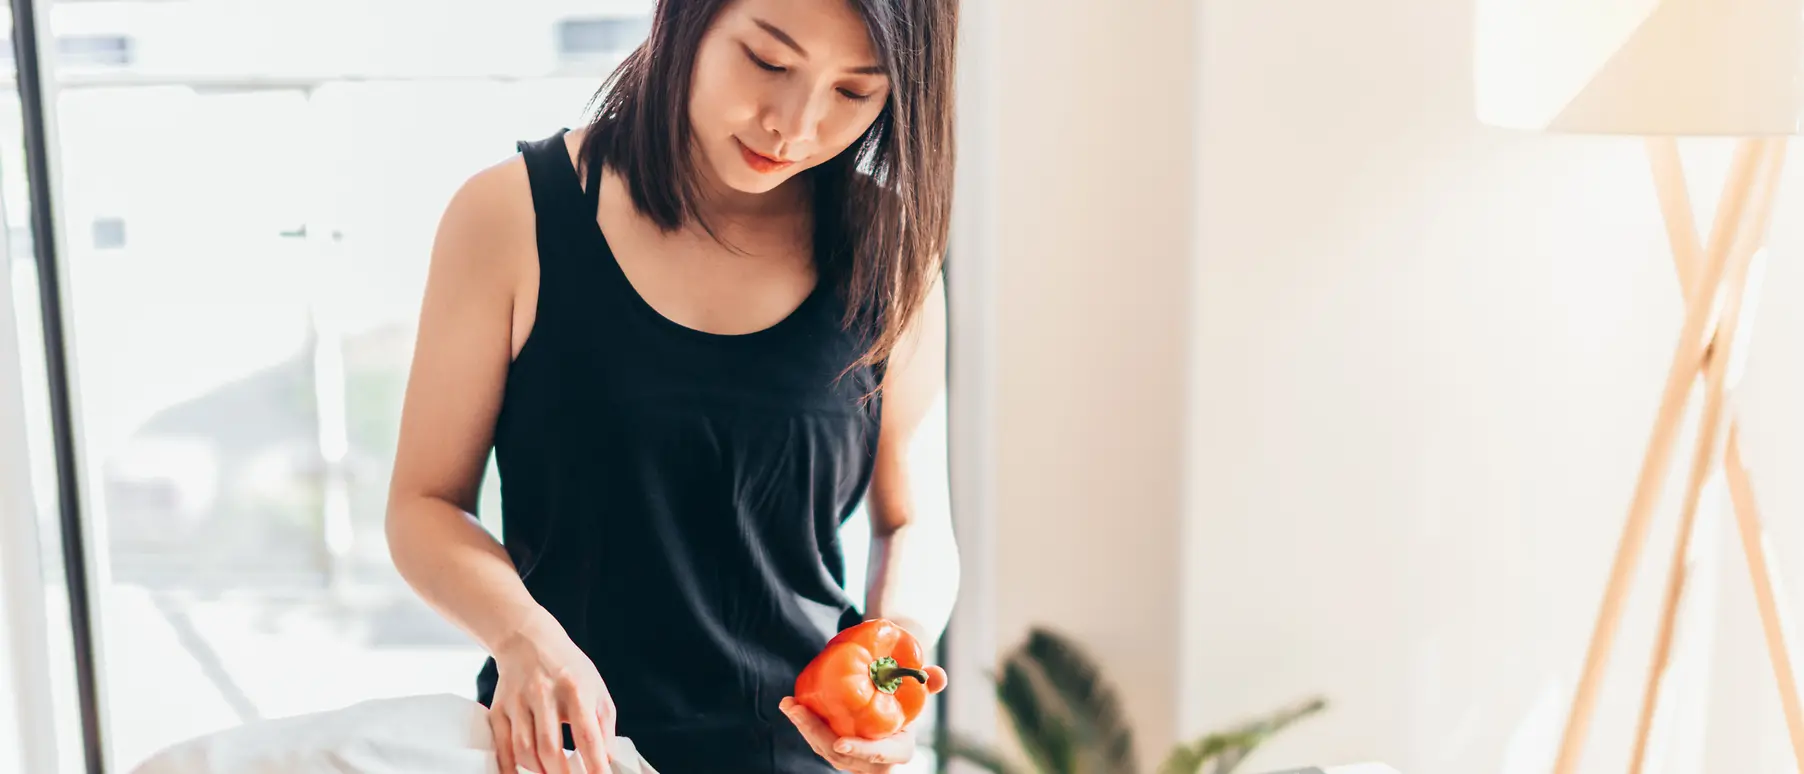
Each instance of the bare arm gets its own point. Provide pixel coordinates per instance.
(479, 255)
(914, 572)
(483, 257)
(914, 558)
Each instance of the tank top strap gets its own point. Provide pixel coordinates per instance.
(592, 188)
(566, 233)
(557, 192)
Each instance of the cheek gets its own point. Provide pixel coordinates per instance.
(721, 96)
(850, 124)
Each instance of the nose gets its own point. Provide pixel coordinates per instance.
(795, 119)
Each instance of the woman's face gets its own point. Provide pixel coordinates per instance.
(781, 86)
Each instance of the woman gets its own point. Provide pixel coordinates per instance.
(697, 334)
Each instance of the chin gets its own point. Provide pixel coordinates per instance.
(746, 181)
(753, 183)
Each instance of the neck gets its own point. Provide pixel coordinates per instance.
(723, 204)
(748, 219)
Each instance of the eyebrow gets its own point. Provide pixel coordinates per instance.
(785, 39)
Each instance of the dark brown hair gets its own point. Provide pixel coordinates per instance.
(880, 208)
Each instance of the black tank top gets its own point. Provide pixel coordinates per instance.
(674, 497)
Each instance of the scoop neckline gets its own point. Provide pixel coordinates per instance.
(643, 307)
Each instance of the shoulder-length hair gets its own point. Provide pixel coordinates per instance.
(880, 208)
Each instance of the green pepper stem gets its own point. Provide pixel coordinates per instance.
(887, 675)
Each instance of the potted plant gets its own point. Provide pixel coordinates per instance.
(1069, 720)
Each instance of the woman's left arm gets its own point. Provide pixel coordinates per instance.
(913, 577)
(914, 564)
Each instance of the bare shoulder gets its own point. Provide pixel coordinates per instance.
(491, 206)
(487, 229)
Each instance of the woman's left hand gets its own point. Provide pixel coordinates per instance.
(864, 756)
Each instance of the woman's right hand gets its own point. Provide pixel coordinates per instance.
(546, 681)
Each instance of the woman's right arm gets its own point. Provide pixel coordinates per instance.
(483, 255)
(460, 362)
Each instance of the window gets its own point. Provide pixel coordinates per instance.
(94, 51)
(82, 51)
(109, 233)
(587, 39)
(241, 377)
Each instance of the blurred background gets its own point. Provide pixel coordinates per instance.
(1274, 374)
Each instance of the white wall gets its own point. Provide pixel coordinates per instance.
(1427, 357)
(1087, 202)
(1303, 382)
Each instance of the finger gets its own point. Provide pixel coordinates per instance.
(548, 732)
(896, 749)
(859, 766)
(823, 746)
(874, 756)
(816, 732)
(936, 679)
(812, 726)
(586, 728)
(504, 741)
(606, 715)
(526, 752)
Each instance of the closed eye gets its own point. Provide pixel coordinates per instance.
(763, 64)
(853, 95)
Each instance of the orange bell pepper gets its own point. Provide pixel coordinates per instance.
(870, 681)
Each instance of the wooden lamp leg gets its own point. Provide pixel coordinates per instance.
(1772, 618)
(1687, 357)
(1675, 210)
(1669, 179)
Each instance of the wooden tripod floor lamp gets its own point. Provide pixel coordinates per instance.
(1664, 69)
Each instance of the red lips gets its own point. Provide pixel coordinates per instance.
(759, 162)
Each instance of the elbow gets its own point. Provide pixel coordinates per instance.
(392, 533)
(396, 528)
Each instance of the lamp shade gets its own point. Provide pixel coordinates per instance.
(1643, 67)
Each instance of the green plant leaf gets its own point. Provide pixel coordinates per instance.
(1104, 738)
(959, 747)
(1226, 749)
(1183, 759)
(1045, 734)
(1256, 732)
(1189, 758)
(1230, 759)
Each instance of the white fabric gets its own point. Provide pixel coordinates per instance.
(435, 734)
